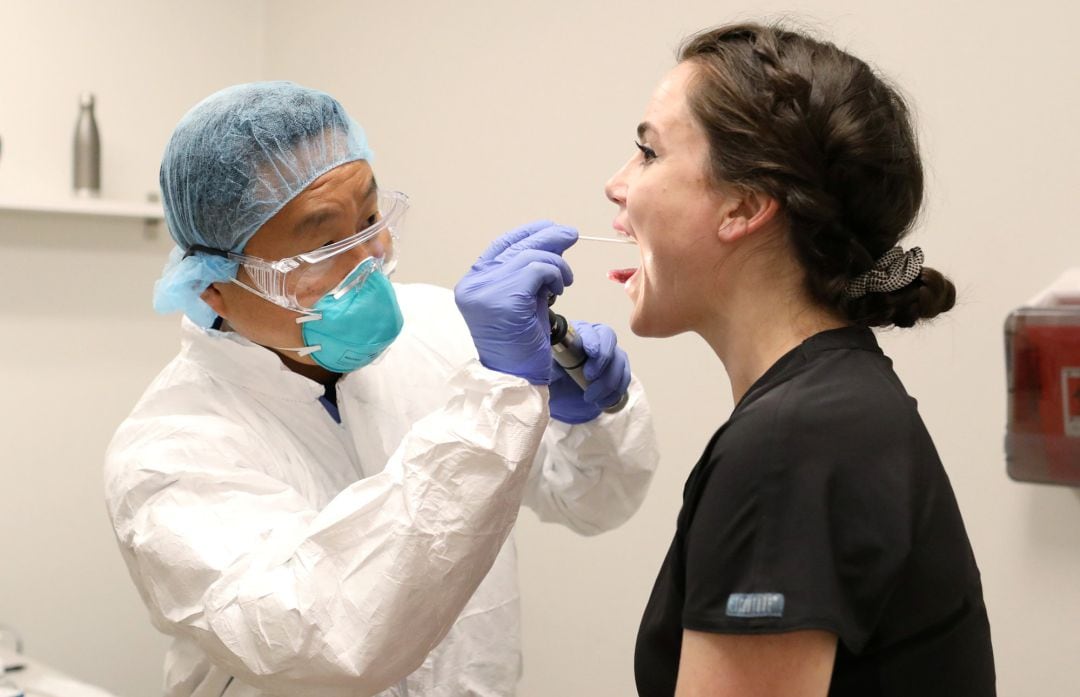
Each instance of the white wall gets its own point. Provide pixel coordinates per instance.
(78, 340)
(489, 115)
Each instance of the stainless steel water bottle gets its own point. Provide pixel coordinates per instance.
(87, 162)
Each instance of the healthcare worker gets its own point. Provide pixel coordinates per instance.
(315, 496)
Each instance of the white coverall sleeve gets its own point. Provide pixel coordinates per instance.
(592, 477)
(346, 600)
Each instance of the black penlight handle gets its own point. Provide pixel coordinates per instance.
(566, 348)
(568, 352)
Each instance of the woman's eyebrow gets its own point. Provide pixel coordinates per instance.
(644, 128)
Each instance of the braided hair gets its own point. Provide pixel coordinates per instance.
(816, 129)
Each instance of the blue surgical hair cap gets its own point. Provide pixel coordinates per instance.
(231, 164)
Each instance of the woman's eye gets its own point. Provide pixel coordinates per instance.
(647, 153)
(373, 219)
(329, 242)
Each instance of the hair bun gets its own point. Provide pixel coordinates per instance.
(924, 298)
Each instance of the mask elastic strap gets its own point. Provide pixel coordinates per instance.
(306, 350)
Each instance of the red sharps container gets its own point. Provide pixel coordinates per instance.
(1042, 354)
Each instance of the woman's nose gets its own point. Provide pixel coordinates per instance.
(614, 190)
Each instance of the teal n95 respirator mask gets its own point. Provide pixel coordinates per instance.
(353, 324)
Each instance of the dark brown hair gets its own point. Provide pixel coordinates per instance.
(813, 127)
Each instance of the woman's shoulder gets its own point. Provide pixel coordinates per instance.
(841, 443)
(838, 393)
(847, 417)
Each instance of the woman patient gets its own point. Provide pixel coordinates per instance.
(820, 549)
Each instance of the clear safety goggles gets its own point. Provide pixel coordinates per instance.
(298, 282)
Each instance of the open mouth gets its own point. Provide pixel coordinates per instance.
(621, 275)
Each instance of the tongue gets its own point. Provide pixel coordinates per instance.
(621, 275)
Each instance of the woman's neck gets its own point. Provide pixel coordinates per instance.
(755, 324)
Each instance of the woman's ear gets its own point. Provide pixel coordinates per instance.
(754, 212)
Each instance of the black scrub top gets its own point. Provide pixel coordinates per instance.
(822, 504)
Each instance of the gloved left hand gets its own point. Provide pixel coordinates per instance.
(607, 370)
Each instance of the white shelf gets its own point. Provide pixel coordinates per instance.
(85, 206)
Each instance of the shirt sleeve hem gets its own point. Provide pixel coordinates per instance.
(771, 625)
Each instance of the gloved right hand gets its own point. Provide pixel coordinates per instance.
(504, 298)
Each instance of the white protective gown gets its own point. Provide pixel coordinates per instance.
(289, 555)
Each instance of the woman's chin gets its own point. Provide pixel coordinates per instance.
(643, 325)
(654, 323)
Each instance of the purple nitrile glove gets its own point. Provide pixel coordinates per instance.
(504, 298)
(607, 370)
